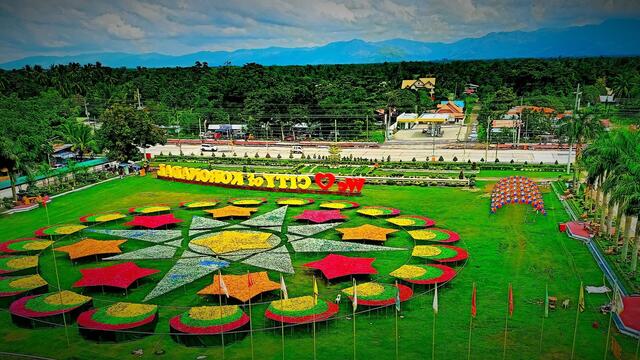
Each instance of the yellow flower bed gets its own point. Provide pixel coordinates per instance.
(65, 297)
(292, 202)
(125, 310)
(294, 304)
(401, 221)
(230, 241)
(152, 209)
(69, 229)
(408, 272)
(422, 234)
(333, 205)
(37, 245)
(24, 262)
(365, 289)
(28, 282)
(371, 212)
(212, 312)
(197, 204)
(247, 202)
(109, 217)
(425, 250)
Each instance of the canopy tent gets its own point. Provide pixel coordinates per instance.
(320, 216)
(366, 232)
(91, 247)
(378, 294)
(336, 266)
(238, 286)
(119, 276)
(24, 245)
(424, 274)
(119, 321)
(301, 310)
(154, 221)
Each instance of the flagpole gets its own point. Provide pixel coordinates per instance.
(221, 330)
(606, 347)
(546, 310)
(354, 304)
(250, 318)
(282, 323)
(315, 288)
(471, 322)
(433, 332)
(55, 265)
(397, 309)
(506, 326)
(575, 328)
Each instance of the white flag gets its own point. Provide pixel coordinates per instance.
(283, 288)
(435, 301)
(223, 286)
(355, 296)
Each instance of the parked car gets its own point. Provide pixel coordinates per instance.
(297, 149)
(208, 147)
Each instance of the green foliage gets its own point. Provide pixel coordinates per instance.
(124, 129)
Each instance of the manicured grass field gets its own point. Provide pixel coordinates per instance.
(513, 246)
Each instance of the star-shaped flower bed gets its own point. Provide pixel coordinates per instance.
(366, 232)
(238, 286)
(233, 241)
(90, 247)
(154, 221)
(118, 276)
(320, 216)
(231, 211)
(336, 266)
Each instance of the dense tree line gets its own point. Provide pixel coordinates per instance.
(320, 95)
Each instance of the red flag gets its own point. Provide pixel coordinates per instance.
(510, 300)
(44, 201)
(249, 279)
(473, 301)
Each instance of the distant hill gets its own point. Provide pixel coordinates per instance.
(610, 38)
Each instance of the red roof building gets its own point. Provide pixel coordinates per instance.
(451, 108)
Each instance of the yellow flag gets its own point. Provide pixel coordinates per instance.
(315, 291)
(581, 299)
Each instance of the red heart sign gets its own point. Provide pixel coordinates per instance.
(325, 180)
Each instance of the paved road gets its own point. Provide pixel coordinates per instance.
(421, 152)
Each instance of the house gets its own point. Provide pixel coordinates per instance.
(459, 103)
(501, 124)
(421, 83)
(450, 107)
(516, 111)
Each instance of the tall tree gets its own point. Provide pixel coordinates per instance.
(124, 129)
(80, 136)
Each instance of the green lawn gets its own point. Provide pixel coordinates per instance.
(512, 246)
(531, 174)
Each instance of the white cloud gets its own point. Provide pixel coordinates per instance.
(116, 26)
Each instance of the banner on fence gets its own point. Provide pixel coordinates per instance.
(324, 182)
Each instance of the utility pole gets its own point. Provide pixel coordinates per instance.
(139, 99)
(367, 121)
(386, 128)
(574, 118)
(486, 149)
(335, 130)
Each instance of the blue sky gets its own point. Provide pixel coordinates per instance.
(65, 27)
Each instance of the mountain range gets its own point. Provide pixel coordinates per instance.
(614, 37)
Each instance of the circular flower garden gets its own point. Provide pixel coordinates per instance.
(242, 246)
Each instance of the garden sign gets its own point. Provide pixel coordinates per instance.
(324, 182)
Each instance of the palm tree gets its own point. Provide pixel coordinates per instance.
(12, 161)
(80, 136)
(621, 85)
